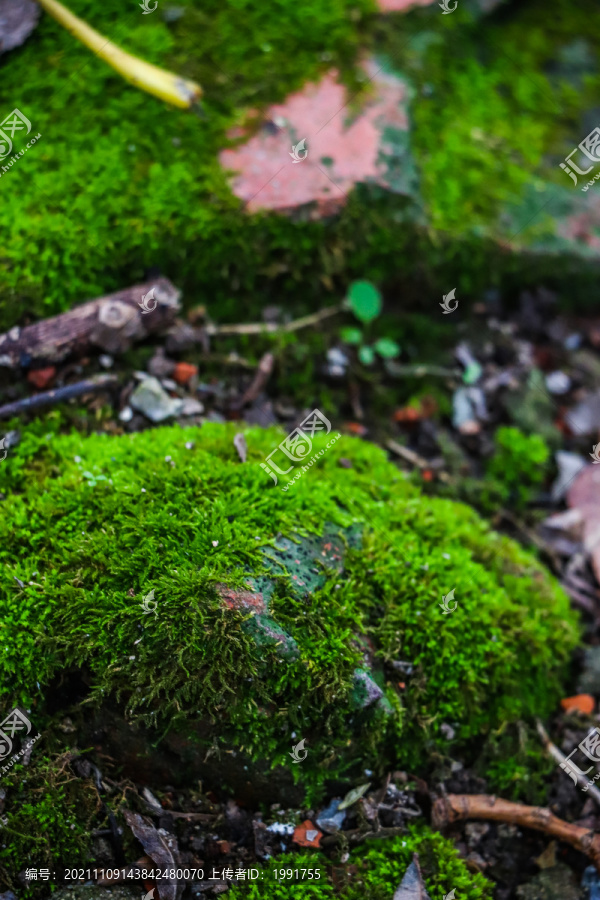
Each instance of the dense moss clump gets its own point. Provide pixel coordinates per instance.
(313, 612)
(379, 867)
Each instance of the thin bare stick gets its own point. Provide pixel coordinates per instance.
(414, 459)
(454, 807)
(270, 328)
(263, 373)
(560, 758)
(58, 395)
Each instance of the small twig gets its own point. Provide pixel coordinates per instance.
(420, 371)
(58, 395)
(356, 836)
(560, 758)
(454, 807)
(263, 373)
(415, 460)
(270, 328)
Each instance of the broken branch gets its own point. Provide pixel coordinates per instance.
(455, 807)
(112, 323)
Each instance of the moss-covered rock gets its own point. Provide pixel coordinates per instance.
(274, 615)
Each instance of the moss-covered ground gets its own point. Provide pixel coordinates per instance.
(91, 526)
(119, 182)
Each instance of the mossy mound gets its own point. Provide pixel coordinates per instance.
(309, 613)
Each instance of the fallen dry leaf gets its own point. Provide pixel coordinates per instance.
(161, 848)
(18, 18)
(412, 886)
(583, 703)
(240, 445)
(584, 495)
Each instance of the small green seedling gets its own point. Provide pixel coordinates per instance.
(365, 302)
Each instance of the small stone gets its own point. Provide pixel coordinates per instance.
(126, 414)
(448, 731)
(152, 400)
(191, 407)
(106, 361)
(337, 362)
(14, 333)
(558, 382)
(215, 543)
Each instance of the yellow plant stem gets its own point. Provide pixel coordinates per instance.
(166, 85)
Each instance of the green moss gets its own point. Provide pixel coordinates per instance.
(518, 466)
(378, 868)
(507, 107)
(49, 816)
(88, 551)
(119, 182)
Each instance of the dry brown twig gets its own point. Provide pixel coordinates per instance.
(415, 460)
(269, 328)
(456, 807)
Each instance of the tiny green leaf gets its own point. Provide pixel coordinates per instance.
(387, 348)
(365, 300)
(351, 335)
(366, 355)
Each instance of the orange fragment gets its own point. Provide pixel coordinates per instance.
(41, 378)
(307, 835)
(356, 428)
(583, 703)
(183, 372)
